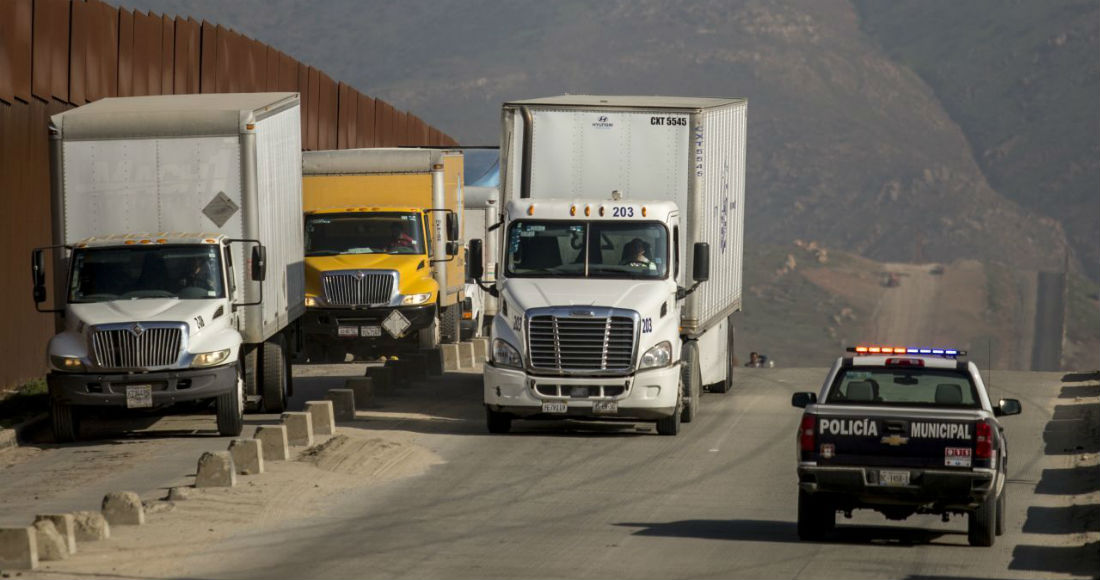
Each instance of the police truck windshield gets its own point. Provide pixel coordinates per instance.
(579, 249)
(918, 387)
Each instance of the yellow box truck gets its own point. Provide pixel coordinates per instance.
(385, 267)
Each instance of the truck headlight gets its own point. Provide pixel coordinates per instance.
(209, 359)
(506, 355)
(312, 301)
(656, 357)
(69, 364)
(414, 299)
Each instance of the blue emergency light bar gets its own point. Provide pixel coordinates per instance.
(874, 350)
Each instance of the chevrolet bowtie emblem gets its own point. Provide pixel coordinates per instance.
(895, 440)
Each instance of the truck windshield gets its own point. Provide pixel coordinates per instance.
(363, 233)
(917, 387)
(121, 273)
(582, 249)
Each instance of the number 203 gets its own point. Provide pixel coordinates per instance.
(622, 212)
(647, 325)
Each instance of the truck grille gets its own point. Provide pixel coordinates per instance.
(136, 347)
(358, 288)
(576, 343)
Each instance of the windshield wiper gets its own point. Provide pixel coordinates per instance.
(323, 253)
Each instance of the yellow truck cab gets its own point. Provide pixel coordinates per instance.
(384, 265)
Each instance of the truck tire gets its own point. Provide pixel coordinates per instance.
(691, 378)
(250, 357)
(670, 425)
(497, 422)
(981, 529)
(815, 518)
(450, 322)
(229, 409)
(1002, 501)
(725, 385)
(275, 378)
(63, 422)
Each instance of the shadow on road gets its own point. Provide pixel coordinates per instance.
(787, 532)
(1069, 481)
(1073, 430)
(1080, 377)
(1077, 560)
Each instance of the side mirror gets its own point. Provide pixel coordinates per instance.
(474, 260)
(259, 263)
(38, 276)
(453, 248)
(800, 400)
(1007, 407)
(452, 227)
(700, 271)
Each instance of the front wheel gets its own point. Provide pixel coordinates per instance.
(670, 425)
(692, 380)
(815, 518)
(229, 408)
(63, 422)
(497, 422)
(982, 523)
(276, 375)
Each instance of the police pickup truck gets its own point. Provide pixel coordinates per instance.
(902, 431)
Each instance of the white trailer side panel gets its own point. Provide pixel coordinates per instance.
(148, 185)
(279, 212)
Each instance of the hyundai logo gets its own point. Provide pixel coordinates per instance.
(603, 118)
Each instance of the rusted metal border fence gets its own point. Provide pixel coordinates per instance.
(57, 54)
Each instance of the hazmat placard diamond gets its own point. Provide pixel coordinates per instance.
(396, 324)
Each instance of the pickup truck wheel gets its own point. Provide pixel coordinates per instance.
(229, 408)
(670, 425)
(815, 518)
(63, 421)
(497, 422)
(1001, 502)
(691, 378)
(982, 523)
(275, 378)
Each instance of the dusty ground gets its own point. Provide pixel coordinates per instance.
(179, 535)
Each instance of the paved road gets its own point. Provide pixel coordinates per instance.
(618, 501)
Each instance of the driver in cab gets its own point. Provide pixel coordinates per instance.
(634, 255)
(398, 238)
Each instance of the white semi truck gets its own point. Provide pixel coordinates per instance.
(620, 258)
(178, 257)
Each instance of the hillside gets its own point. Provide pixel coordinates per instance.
(1025, 93)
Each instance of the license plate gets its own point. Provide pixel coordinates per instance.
(605, 407)
(347, 330)
(139, 396)
(370, 331)
(893, 478)
(554, 407)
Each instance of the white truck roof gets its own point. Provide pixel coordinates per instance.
(644, 102)
(169, 115)
(573, 209)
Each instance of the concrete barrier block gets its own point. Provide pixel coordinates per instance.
(273, 441)
(18, 549)
(248, 456)
(90, 526)
(450, 357)
(363, 389)
(299, 429)
(64, 525)
(433, 362)
(341, 404)
(400, 372)
(323, 414)
(216, 469)
(481, 349)
(382, 378)
(123, 508)
(51, 544)
(466, 355)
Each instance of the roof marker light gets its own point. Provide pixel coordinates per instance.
(643, 211)
(531, 209)
(874, 349)
(601, 211)
(587, 210)
(861, 349)
(573, 210)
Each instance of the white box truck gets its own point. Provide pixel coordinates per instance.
(482, 212)
(620, 260)
(178, 259)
